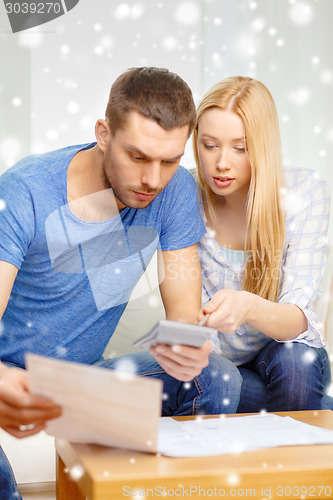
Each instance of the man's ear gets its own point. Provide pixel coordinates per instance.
(102, 133)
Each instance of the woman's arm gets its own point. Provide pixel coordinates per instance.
(231, 308)
(307, 205)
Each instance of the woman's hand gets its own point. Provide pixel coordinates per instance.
(228, 310)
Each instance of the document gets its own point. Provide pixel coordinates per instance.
(219, 436)
(99, 405)
(116, 409)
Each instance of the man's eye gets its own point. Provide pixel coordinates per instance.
(170, 162)
(136, 157)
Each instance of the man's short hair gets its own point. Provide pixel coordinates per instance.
(155, 93)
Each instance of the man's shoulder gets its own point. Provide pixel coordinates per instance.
(182, 180)
(43, 163)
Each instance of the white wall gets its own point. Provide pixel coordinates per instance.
(55, 80)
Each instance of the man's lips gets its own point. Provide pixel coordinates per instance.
(223, 181)
(144, 196)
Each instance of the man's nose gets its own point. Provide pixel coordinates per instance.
(152, 175)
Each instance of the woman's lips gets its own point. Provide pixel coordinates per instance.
(222, 181)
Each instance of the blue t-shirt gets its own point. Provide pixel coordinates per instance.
(75, 277)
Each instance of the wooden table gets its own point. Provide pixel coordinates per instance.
(110, 474)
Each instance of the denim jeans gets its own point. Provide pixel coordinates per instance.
(216, 390)
(286, 376)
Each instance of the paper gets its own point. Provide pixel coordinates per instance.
(115, 409)
(219, 436)
(99, 405)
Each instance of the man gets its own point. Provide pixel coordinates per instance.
(78, 228)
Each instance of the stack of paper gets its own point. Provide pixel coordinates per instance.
(218, 436)
(105, 407)
(99, 405)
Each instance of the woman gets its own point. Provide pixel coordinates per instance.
(264, 252)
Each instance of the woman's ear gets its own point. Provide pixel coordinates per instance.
(102, 133)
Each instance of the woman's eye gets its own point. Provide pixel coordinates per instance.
(210, 146)
(240, 149)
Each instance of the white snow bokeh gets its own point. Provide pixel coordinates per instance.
(76, 472)
(10, 150)
(187, 13)
(299, 96)
(301, 13)
(125, 11)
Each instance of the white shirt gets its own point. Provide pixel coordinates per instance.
(306, 204)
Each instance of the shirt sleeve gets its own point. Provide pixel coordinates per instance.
(182, 223)
(306, 251)
(17, 222)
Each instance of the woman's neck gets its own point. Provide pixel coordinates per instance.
(231, 222)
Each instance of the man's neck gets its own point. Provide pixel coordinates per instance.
(89, 198)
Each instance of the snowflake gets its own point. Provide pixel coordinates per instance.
(73, 107)
(64, 49)
(187, 13)
(233, 479)
(125, 368)
(301, 13)
(30, 39)
(122, 11)
(299, 96)
(17, 101)
(309, 357)
(258, 24)
(52, 134)
(170, 42)
(76, 472)
(61, 351)
(326, 77)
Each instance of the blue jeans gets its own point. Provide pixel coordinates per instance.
(8, 489)
(216, 390)
(285, 377)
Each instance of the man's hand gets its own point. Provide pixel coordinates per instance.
(21, 413)
(180, 361)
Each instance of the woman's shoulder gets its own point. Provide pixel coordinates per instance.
(306, 183)
(304, 190)
(302, 179)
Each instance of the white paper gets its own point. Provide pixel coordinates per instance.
(219, 436)
(99, 405)
(102, 406)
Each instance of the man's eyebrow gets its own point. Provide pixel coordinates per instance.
(136, 150)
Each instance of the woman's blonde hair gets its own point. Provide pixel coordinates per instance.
(253, 103)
